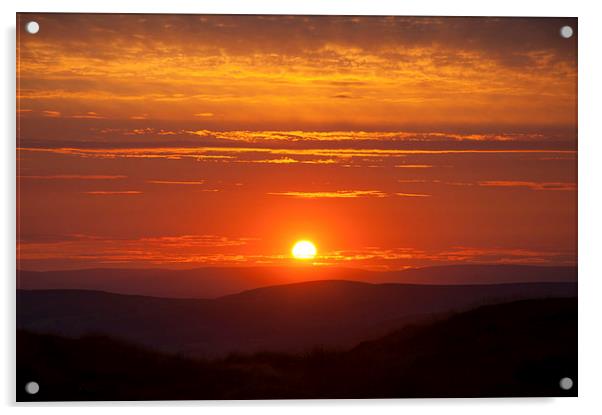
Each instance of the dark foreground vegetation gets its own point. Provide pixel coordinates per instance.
(521, 348)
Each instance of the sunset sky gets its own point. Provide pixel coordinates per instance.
(180, 141)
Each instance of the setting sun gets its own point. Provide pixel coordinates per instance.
(304, 250)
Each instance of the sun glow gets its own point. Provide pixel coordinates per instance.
(304, 250)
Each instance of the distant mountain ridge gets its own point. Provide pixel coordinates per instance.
(213, 282)
(292, 317)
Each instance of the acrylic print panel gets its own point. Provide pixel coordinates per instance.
(258, 207)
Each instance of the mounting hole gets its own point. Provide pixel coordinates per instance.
(32, 27)
(566, 32)
(566, 383)
(32, 388)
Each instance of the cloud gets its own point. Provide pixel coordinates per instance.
(88, 115)
(326, 156)
(168, 249)
(175, 250)
(399, 258)
(304, 136)
(281, 160)
(233, 152)
(343, 96)
(178, 182)
(51, 114)
(508, 40)
(204, 114)
(345, 194)
(412, 195)
(506, 255)
(113, 192)
(73, 177)
(528, 185)
(417, 181)
(414, 166)
(429, 71)
(60, 114)
(553, 186)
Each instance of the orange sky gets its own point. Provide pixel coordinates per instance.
(182, 141)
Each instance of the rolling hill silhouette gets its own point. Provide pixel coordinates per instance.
(520, 348)
(215, 282)
(292, 317)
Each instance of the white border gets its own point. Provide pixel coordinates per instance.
(590, 209)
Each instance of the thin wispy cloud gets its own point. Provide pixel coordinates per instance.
(113, 192)
(177, 182)
(551, 186)
(225, 153)
(203, 250)
(51, 114)
(412, 195)
(391, 258)
(168, 249)
(321, 136)
(88, 115)
(344, 194)
(413, 166)
(73, 177)
(281, 160)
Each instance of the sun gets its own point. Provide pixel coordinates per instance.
(304, 250)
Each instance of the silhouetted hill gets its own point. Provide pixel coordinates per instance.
(514, 349)
(292, 317)
(219, 281)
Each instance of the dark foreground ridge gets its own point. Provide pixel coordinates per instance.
(521, 348)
